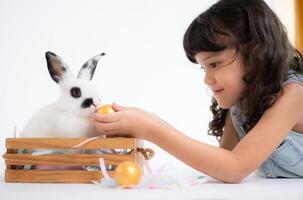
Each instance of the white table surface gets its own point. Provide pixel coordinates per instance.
(252, 187)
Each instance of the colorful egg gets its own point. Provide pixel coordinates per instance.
(127, 174)
(105, 109)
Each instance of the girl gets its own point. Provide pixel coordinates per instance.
(257, 81)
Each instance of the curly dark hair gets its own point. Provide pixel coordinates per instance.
(258, 35)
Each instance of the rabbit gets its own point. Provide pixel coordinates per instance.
(69, 116)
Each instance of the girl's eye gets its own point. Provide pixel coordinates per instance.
(213, 65)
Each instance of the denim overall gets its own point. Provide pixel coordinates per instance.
(287, 160)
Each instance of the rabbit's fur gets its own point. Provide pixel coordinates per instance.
(69, 116)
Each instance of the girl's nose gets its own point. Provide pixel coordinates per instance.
(209, 78)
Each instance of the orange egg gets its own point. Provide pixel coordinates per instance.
(105, 109)
(127, 174)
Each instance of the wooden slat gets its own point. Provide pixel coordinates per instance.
(66, 159)
(9, 151)
(52, 176)
(70, 143)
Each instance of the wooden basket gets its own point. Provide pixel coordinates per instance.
(14, 162)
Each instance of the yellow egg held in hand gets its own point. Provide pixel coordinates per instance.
(105, 109)
(127, 174)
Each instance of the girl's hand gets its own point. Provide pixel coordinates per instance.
(126, 121)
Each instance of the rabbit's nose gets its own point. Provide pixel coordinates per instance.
(87, 103)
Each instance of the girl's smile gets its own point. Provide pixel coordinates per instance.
(218, 92)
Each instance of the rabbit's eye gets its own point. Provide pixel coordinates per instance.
(75, 92)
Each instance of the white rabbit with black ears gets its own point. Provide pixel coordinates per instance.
(69, 116)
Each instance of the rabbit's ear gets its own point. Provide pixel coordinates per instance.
(88, 69)
(58, 70)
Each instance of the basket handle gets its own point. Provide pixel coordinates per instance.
(146, 152)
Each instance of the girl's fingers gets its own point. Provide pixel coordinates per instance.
(107, 118)
(117, 107)
(108, 128)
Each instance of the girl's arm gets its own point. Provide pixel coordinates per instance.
(230, 137)
(225, 165)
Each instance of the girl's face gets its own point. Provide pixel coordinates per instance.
(223, 75)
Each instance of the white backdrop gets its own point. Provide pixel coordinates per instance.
(144, 66)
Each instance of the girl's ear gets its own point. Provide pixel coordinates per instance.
(58, 70)
(88, 69)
